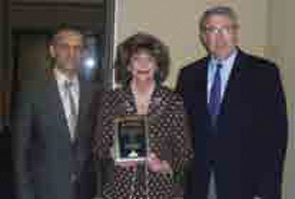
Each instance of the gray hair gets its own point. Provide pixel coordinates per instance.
(218, 10)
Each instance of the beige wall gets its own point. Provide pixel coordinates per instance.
(171, 20)
(175, 22)
(282, 31)
(266, 30)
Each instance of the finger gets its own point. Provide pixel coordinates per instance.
(152, 156)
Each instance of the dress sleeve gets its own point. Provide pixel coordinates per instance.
(182, 151)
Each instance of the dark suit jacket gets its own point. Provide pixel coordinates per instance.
(49, 165)
(249, 148)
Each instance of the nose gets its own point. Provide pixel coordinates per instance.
(72, 51)
(220, 38)
(144, 62)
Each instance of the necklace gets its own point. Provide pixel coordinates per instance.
(142, 99)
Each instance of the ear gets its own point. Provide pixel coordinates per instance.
(237, 27)
(52, 51)
(202, 38)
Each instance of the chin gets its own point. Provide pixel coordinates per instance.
(221, 55)
(71, 67)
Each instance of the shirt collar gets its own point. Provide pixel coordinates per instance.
(229, 61)
(61, 78)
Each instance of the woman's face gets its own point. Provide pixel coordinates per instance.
(142, 66)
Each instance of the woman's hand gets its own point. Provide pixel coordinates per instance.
(158, 166)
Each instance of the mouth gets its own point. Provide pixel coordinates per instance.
(221, 44)
(142, 72)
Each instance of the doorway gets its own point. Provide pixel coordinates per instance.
(27, 26)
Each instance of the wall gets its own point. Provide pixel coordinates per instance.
(32, 57)
(25, 15)
(172, 21)
(282, 38)
(175, 22)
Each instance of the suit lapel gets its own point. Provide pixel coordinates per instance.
(233, 84)
(55, 106)
(85, 94)
(201, 85)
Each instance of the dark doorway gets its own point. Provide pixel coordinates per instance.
(27, 25)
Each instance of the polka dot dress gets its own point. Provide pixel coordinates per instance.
(167, 140)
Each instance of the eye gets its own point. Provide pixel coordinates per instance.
(216, 30)
(63, 46)
(67, 47)
(211, 29)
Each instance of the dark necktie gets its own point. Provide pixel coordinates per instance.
(215, 95)
(73, 112)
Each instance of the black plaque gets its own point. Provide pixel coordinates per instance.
(131, 140)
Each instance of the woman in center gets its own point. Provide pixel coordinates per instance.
(142, 64)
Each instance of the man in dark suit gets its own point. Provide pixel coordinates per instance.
(237, 114)
(52, 124)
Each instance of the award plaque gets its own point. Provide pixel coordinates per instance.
(131, 140)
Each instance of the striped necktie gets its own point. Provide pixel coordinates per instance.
(73, 112)
(215, 95)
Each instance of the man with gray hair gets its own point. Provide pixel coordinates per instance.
(237, 114)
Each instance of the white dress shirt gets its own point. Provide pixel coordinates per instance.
(75, 92)
(225, 71)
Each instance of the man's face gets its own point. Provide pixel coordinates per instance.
(220, 36)
(67, 50)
